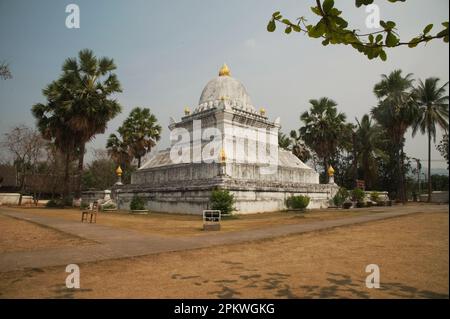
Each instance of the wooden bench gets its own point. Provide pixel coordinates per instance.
(91, 212)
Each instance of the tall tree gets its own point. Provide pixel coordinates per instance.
(53, 123)
(396, 112)
(139, 133)
(91, 84)
(433, 111)
(368, 148)
(443, 148)
(324, 129)
(5, 73)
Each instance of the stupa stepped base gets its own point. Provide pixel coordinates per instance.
(250, 196)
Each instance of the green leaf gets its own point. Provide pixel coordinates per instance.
(390, 25)
(428, 28)
(271, 26)
(359, 3)
(413, 43)
(316, 10)
(296, 28)
(379, 38)
(275, 14)
(383, 55)
(327, 5)
(288, 30)
(371, 38)
(391, 40)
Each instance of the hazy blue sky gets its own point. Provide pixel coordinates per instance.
(166, 51)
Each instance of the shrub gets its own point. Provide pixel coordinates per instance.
(374, 196)
(340, 197)
(137, 203)
(52, 204)
(109, 206)
(297, 202)
(347, 205)
(358, 195)
(222, 200)
(360, 204)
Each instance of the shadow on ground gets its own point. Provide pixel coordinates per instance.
(239, 279)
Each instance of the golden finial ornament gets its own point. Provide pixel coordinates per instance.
(119, 171)
(262, 111)
(187, 110)
(330, 171)
(224, 70)
(222, 156)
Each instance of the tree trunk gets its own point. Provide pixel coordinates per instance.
(400, 192)
(405, 198)
(355, 160)
(429, 167)
(66, 176)
(139, 162)
(80, 171)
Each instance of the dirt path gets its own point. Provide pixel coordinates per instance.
(411, 251)
(119, 243)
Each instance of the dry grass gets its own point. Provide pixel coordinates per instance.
(191, 225)
(412, 253)
(20, 235)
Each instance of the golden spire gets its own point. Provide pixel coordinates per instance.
(119, 171)
(187, 110)
(224, 70)
(262, 111)
(330, 171)
(222, 156)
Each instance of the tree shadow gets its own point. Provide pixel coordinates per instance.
(340, 284)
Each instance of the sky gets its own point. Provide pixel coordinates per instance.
(166, 52)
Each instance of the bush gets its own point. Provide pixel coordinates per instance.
(340, 197)
(358, 195)
(109, 206)
(137, 203)
(297, 202)
(52, 204)
(374, 196)
(222, 200)
(347, 205)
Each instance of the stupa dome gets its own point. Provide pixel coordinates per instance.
(225, 87)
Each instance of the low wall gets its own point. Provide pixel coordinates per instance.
(9, 198)
(13, 199)
(436, 197)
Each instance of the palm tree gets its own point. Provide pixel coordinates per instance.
(90, 82)
(367, 145)
(396, 112)
(299, 148)
(433, 109)
(284, 142)
(324, 129)
(53, 123)
(140, 132)
(118, 151)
